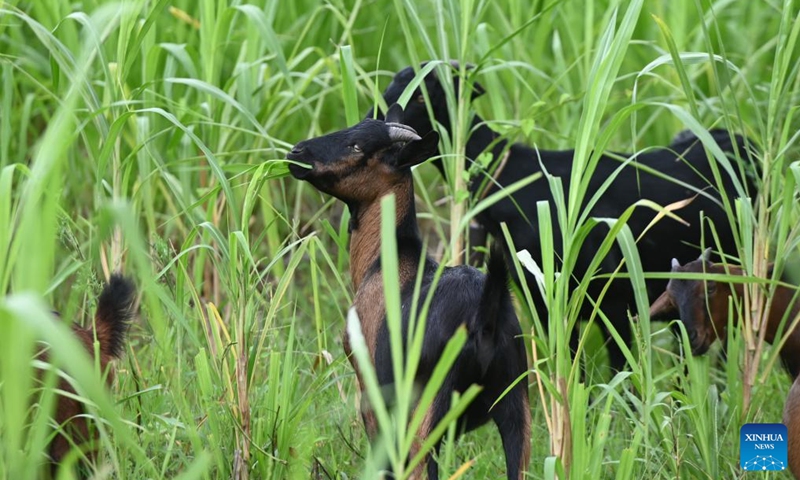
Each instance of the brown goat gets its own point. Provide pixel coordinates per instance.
(702, 306)
(359, 166)
(115, 307)
(791, 418)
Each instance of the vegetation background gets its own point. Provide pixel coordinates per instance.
(148, 136)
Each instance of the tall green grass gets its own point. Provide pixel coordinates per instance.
(148, 136)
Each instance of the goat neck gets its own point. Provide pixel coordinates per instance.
(480, 137)
(365, 232)
(780, 305)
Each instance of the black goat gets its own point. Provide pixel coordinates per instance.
(685, 160)
(359, 166)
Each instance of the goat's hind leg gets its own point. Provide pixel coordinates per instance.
(436, 411)
(512, 415)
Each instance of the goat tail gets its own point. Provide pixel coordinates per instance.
(495, 295)
(115, 308)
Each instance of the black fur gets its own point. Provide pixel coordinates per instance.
(684, 160)
(494, 354)
(114, 311)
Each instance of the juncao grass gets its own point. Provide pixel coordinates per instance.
(150, 137)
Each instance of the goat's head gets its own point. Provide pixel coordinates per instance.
(365, 161)
(416, 112)
(693, 299)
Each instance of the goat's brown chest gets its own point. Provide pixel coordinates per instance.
(371, 310)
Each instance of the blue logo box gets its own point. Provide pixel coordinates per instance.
(763, 446)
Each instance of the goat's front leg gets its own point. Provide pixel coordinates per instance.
(367, 414)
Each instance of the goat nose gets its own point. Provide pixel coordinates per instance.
(297, 149)
(692, 335)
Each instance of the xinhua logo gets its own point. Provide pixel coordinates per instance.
(762, 446)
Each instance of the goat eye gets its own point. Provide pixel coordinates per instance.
(355, 148)
(421, 98)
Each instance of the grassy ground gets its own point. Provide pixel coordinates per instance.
(149, 136)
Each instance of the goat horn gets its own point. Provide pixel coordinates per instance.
(675, 264)
(706, 255)
(402, 133)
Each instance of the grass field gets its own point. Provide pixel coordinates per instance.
(149, 136)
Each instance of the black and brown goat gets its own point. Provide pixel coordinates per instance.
(684, 161)
(362, 164)
(702, 306)
(115, 308)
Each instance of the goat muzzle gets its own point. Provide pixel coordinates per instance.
(698, 341)
(299, 167)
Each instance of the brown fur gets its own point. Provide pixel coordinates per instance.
(526, 454)
(662, 305)
(361, 165)
(369, 300)
(422, 435)
(791, 418)
(364, 252)
(69, 412)
(115, 307)
(706, 302)
(363, 180)
(364, 249)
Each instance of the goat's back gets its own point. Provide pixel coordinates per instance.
(663, 241)
(457, 301)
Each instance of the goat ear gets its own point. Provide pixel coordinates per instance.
(706, 255)
(395, 114)
(417, 151)
(663, 307)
